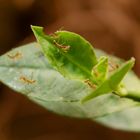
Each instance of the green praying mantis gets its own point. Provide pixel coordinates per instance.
(74, 57)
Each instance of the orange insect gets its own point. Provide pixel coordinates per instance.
(113, 66)
(64, 48)
(95, 72)
(17, 55)
(90, 84)
(26, 80)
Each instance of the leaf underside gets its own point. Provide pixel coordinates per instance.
(27, 71)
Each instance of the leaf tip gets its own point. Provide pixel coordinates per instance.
(133, 60)
(36, 30)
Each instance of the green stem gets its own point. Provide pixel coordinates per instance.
(133, 95)
(122, 92)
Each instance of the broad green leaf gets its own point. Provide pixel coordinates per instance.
(99, 71)
(68, 52)
(128, 119)
(27, 71)
(112, 82)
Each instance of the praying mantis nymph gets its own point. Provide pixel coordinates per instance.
(90, 84)
(15, 56)
(26, 80)
(112, 66)
(63, 47)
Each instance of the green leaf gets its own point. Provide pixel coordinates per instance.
(128, 119)
(68, 53)
(99, 71)
(27, 71)
(112, 82)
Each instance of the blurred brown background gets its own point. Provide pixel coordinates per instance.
(113, 25)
